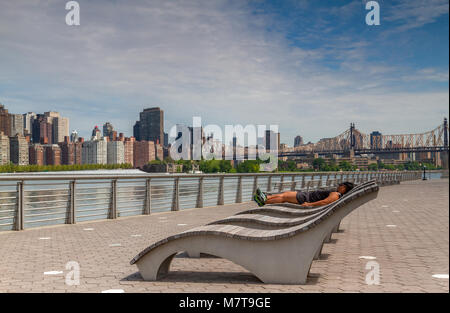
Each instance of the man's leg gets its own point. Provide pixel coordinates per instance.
(288, 196)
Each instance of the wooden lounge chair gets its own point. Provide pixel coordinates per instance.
(282, 255)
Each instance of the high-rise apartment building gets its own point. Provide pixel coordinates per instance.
(19, 150)
(16, 124)
(70, 152)
(50, 128)
(144, 152)
(4, 148)
(5, 121)
(28, 120)
(95, 152)
(150, 126)
(115, 152)
(129, 150)
(36, 154)
(52, 155)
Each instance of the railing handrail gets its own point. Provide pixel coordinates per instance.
(81, 176)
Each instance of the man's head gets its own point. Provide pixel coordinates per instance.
(345, 187)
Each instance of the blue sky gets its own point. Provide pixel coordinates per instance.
(311, 67)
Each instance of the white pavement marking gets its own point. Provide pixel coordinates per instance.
(45, 238)
(53, 273)
(396, 211)
(88, 229)
(442, 276)
(367, 257)
(136, 235)
(113, 291)
(115, 245)
(385, 206)
(181, 224)
(391, 225)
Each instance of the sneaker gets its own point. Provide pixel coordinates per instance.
(261, 194)
(259, 197)
(258, 200)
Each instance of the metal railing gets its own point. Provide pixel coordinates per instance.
(50, 199)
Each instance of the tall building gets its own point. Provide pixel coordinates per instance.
(129, 150)
(70, 152)
(95, 152)
(74, 136)
(108, 130)
(96, 134)
(150, 126)
(298, 141)
(376, 140)
(49, 128)
(52, 155)
(16, 124)
(5, 121)
(19, 150)
(144, 152)
(60, 129)
(4, 148)
(115, 152)
(36, 154)
(28, 120)
(272, 138)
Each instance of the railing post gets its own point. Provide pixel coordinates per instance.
(303, 181)
(239, 190)
(220, 193)
(199, 203)
(175, 197)
(269, 184)
(148, 196)
(280, 188)
(294, 183)
(113, 209)
(255, 184)
(71, 218)
(20, 205)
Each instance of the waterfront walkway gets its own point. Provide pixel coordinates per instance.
(405, 230)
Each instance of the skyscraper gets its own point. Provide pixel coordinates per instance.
(5, 121)
(95, 152)
(298, 141)
(19, 150)
(150, 126)
(16, 124)
(115, 152)
(108, 130)
(4, 148)
(28, 120)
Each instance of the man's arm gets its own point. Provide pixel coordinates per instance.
(331, 198)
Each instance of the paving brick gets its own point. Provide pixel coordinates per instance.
(408, 254)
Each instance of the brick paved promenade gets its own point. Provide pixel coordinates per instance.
(405, 229)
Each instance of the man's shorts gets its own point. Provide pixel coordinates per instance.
(301, 197)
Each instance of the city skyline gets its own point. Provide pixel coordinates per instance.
(315, 66)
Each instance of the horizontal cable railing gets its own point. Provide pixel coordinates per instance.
(49, 199)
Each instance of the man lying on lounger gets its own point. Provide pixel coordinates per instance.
(311, 198)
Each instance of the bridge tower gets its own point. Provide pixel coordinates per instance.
(352, 140)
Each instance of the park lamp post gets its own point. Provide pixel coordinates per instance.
(424, 177)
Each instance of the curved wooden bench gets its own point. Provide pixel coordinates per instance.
(256, 250)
